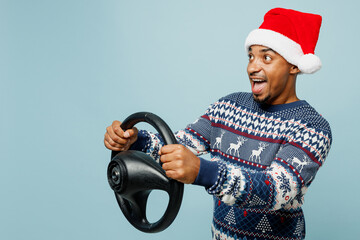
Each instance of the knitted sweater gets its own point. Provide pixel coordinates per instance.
(263, 159)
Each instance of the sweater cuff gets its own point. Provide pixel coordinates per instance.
(208, 173)
(141, 142)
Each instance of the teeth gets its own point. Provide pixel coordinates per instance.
(258, 80)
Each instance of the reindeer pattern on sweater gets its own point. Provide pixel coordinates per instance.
(263, 159)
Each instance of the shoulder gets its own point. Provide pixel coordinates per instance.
(314, 125)
(237, 97)
(313, 118)
(236, 100)
(314, 132)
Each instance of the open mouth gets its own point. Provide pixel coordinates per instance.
(258, 85)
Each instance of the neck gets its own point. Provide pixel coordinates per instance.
(289, 94)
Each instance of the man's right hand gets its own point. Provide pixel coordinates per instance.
(116, 139)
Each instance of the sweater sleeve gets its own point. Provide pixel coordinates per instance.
(151, 143)
(148, 143)
(282, 185)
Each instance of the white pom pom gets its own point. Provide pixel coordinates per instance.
(309, 63)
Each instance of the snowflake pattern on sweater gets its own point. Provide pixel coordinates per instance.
(263, 159)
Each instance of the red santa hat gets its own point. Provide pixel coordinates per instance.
(292, 34)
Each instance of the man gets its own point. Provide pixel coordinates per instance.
(266, 146)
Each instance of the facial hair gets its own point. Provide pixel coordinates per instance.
(261, 101)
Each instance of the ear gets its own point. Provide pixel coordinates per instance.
(294, 69)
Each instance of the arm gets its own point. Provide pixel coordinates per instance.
(280, 186)
(180, 161)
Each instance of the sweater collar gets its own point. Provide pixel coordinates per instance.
(281, 107)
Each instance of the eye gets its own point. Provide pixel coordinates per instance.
(251, 57)
(267, 58)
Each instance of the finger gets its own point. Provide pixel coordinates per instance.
(170, 157)
(176, 175)
(164, 158)
(131, 132)
(108, 146)
(171, 174)
(121, 143)
(116, 128)
(169, 166)
(116, 137)
(111, 142)
(168, 149)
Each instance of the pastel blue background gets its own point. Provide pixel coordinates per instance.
(69, 68)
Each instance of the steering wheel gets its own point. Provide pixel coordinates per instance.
(133, 175)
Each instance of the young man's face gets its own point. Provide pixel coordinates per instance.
(271, 76)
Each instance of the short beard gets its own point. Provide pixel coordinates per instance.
(261, 101)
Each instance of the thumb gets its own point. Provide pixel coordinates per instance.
(131, 132)
(126, 134)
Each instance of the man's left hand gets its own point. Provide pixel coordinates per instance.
(179, 163)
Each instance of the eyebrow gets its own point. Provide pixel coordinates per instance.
(267, 50)
(263, 50)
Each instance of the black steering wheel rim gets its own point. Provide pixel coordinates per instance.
(133, 205)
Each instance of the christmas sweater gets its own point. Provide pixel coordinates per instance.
(263, 159)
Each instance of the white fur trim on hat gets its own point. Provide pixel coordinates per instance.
(309, 63)
(287, 48)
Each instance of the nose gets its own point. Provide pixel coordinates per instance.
(253, 67)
